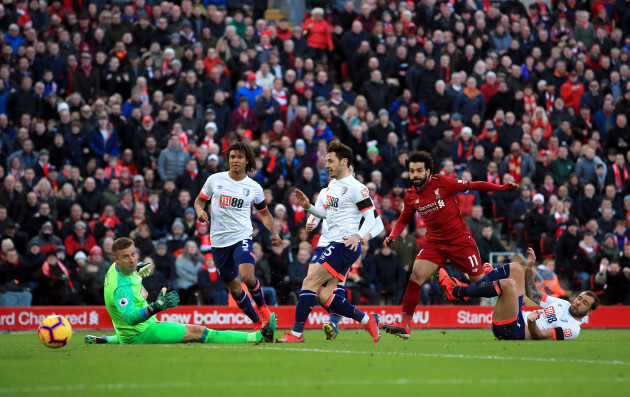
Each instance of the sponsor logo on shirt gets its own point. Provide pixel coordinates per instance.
(549, 310)
(567, 333)
(225, 200)
(144, 293)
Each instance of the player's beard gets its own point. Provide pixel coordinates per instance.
(575, 312)
(419, 183)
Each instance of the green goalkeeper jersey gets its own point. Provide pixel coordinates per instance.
(125, 299)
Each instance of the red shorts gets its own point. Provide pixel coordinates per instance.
(463, 253)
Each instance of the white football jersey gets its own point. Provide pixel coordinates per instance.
(323, 237)
(345, 200)
(230, 203)
(555, 315)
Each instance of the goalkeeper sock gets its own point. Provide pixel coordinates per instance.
(112, 339)
(212, 336)
(245, 304)
(479, 289)
(497, 274)
(305, 305)
(343, 306)
(257, 294)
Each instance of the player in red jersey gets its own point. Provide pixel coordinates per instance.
(448, 237)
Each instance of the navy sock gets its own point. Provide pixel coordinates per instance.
(340, 291)
(305, 304)
(257, 294)
(497, 274)
(479, 289)
(343, 307)
(245, 304)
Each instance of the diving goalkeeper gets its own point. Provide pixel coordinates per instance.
(134, 318)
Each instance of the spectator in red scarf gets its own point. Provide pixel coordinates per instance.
(55, 284)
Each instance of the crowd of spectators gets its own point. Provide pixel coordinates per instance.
(114, 113)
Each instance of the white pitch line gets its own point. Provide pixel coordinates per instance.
(435, 355)
(299, 383)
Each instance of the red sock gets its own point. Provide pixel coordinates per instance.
(410, 301)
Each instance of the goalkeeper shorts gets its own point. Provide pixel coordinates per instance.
(159, 333)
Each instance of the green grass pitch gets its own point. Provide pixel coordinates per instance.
(432, 362)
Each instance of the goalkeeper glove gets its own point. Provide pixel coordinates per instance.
(144, 269)
(163, 302)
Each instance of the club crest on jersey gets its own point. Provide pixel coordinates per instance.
(437, 194)
(246, 192)
(344, 190)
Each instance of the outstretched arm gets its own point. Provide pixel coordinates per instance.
(481, 186)
(531, 290)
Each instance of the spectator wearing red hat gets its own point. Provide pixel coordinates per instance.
(250, 91)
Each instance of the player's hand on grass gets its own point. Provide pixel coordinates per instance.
(533, 316)
(202, 217)
(164, 301)
(276, 240)
(531, 259)
(353, 241)
(387, 241)
(302, 199)
(144, 269)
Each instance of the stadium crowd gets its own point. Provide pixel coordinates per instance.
(114, 113)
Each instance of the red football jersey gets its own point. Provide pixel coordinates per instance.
(438, 206)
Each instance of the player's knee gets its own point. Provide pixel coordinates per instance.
(507, 285)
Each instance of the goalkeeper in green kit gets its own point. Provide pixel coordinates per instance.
(134, 318)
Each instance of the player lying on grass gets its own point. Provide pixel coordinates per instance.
(331, 329)
(558, 319)
(448, 237)
(134, 318)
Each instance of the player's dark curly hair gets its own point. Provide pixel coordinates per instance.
(420, 156)
(247, 151)
(341, 151)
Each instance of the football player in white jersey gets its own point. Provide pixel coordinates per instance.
(558, 320)
(331, 329)
(347, 200)
(231, 196)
